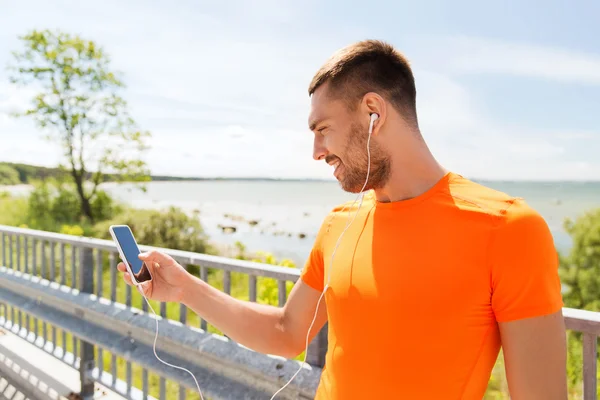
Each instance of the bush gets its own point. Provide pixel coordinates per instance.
(267, 288)
(39, 212)
(13, 210)
(104, 207)
(9, 175)
(74, 230)
(171, 229)
(52, 204)
(65, 206)
(580, 274)
(580, 269)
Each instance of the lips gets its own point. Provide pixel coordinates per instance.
(336, 163)
(337, 167)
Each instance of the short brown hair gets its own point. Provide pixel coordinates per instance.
(365, 66)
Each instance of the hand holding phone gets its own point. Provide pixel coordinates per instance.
(158, 276)
(167, 278)
(129, 252)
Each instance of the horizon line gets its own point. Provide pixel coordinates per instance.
(164, 177)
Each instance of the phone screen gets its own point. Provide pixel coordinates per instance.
(129, 247)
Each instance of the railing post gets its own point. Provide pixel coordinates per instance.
(86, 355)
(590, 369)
(3, 250)
(317, 349)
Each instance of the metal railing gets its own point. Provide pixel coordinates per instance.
(63, 294)
(588, 323)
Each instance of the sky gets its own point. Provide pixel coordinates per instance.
(509, 90)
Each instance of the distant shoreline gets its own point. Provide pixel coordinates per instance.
(258, 179)
(27, 171)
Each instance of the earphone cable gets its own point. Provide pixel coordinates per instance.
(348, 224)
(164, 362)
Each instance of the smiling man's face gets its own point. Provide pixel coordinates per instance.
(341, 140)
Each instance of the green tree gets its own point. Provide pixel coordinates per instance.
(80, 107)
(9, 175)
(580, 269)
(171, 228)
(580, 274)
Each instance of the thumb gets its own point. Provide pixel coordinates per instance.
(153, 256)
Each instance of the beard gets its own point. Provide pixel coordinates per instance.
(355, 166)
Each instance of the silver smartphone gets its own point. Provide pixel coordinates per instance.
(129, 252)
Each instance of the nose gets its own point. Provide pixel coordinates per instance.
(319, 150)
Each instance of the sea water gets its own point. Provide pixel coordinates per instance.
(283, 217)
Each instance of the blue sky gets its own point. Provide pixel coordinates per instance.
(505, 91)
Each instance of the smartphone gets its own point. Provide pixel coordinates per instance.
(129, 251)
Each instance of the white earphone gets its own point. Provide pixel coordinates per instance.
(374, 118)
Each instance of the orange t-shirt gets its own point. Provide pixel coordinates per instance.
(418, 286)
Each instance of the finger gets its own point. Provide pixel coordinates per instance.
(121, 267)
(127, 279)
(148, 256)
(154, 256)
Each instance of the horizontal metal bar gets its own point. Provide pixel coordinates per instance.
(119, 386)
(218, 363)
(68, 358)
(184, 257)
(582, 320)
(134, 351)
(59, 353)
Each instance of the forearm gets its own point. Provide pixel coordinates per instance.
(257, 326)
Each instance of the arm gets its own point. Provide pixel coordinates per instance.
(263, 328)
(535, 357)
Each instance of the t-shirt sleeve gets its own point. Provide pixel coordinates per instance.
(524, 262)
(313, 272)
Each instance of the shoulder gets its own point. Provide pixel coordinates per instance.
(519, 216)
(469, 195)
(313, 271)
(340, 213)
(524, 265)
(510, 217)
(354, 205)
(518, 224)
(512, 223)
(521, 255)
(503, 211)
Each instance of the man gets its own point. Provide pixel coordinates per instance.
(433, 274)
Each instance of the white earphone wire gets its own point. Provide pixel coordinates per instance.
(348, 224)
(164, 362)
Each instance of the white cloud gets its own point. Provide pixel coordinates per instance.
(578, 135)
(482, 55)
(223, 91)
(464, 138)
(14, 99)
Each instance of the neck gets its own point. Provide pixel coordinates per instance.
(412, 173)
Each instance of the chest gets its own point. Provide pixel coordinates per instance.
(412, 266)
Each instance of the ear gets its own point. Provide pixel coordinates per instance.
(374, 103)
